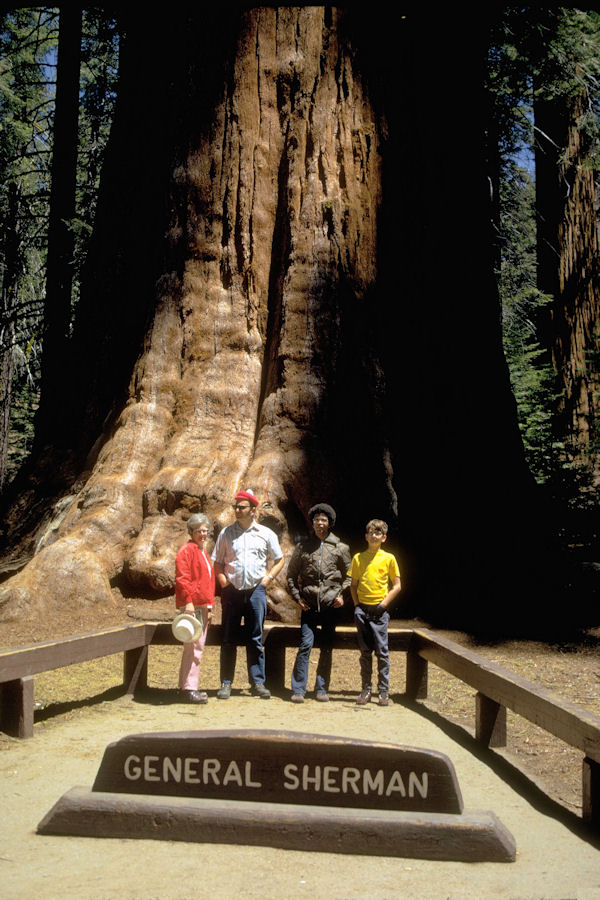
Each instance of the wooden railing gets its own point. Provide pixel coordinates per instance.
(497, 688)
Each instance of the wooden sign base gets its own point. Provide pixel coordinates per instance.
(469, 837)
(282, 789)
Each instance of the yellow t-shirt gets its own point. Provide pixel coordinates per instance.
(373, 571)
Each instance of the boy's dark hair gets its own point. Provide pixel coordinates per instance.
(377, 524)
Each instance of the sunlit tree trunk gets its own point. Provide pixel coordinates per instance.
(290, 288)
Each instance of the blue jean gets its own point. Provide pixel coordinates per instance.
(251, 605)
(372, 633)
(309, 621)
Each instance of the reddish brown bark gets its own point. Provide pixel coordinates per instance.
(568, 266)
(273, 302)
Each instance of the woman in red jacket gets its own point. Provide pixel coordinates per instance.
(194, 595)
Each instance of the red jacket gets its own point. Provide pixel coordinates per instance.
(194, 576)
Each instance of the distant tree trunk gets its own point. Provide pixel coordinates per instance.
(59, 269)
(290, 288)
(9, 248)
(569, 267)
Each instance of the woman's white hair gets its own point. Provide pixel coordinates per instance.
(195, 520)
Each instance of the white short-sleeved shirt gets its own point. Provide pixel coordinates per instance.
(243, 553)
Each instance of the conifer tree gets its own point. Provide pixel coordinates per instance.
(27, 41)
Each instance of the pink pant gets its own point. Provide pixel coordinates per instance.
(189, 670)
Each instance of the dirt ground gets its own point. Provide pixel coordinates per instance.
(80, 709)
(556, 859)
(570, 669)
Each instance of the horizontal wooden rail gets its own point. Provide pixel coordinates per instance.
(498, 689)
(568, 721)
(36, 658)
(18, 665)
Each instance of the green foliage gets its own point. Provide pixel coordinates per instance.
(28, 50)
(531, 373)
(98, 92)
(28, 39)
(549, 54)
(22, 414)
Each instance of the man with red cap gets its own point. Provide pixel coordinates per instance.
(240, 558)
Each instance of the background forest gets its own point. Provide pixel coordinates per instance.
(59, 86)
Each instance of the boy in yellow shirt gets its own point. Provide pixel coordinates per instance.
(372, 572)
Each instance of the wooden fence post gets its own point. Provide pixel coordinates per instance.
(490, 721)
(416, 675)
(274, 645)
(591, 792)
(16, 716)
(135, 669)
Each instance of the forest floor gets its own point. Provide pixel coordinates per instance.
(80, 709)
(570, 669)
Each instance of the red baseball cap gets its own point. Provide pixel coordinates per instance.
(247, 495)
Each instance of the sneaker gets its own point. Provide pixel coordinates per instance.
(194, 696)
(364, 698)
(322, 697)
(297, 698)
(384, 698)
(259, 690)
(224, 692)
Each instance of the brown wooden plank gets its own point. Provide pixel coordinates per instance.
(22, 661)
(568, 721)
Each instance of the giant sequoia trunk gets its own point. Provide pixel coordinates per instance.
(569, 267)
(290, 289)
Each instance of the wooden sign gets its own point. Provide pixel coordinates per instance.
(281, 767)
(281, 789)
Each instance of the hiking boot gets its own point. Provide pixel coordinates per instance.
(259, 690)
(384, 698)
(224, 692)
(322, 697)
(364, 698)
(193, 696)
(297, 698)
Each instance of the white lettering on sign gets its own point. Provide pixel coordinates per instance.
(210, 768)
(150, 773)
(326, 779)
(373, 784)
(333, 779)
(248, 776)
(350, 777)
(173, 768)
(132, 772)
(422, 786)
(190, 770)
(233, 774)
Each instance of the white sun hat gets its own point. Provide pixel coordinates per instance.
(186, 628)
